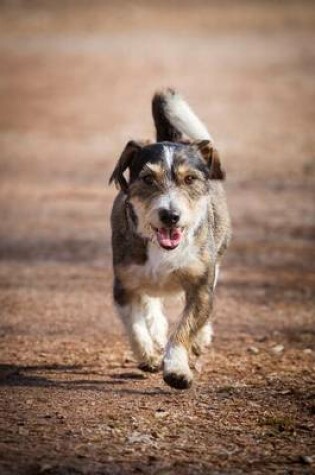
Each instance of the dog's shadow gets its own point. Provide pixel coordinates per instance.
(30, 376)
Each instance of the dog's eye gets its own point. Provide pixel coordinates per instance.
(148, 180)
(189, 179)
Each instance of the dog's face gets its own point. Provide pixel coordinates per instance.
(168, 188)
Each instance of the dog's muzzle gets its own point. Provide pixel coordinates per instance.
(169, 235)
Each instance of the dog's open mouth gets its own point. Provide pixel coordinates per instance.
(169, 238)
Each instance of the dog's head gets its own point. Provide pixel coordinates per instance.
(167, 187)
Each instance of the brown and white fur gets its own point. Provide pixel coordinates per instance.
(170, 228)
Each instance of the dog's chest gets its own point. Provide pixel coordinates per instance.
(161, 264)
(159, 273)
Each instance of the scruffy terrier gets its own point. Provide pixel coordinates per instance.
(170, 228)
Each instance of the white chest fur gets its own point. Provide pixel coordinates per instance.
(156, 276)
(161, 263)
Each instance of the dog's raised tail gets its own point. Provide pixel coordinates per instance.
(173, 118)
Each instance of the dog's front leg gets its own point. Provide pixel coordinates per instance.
(134, 309)
(177, 372)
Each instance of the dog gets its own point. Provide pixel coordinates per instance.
(170, 228)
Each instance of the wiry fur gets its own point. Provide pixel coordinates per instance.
(170, 228)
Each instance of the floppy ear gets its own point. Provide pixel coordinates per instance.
(124, 162)
(211, 156)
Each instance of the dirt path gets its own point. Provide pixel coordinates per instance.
(75, 85)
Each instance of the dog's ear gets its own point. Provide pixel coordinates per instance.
(124, 162)
(212, 158)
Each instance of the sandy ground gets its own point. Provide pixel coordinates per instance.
(75, 85)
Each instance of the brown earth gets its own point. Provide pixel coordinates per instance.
(76, 82)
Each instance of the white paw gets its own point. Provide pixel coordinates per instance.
(151, 364)
(176, 370)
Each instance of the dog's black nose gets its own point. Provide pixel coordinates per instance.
(168, 216)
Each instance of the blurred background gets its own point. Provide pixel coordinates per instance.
(76, 83)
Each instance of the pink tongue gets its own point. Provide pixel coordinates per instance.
(169, 238)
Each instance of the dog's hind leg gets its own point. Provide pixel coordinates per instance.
(216, 275)
(203, 339)
(204, 336)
